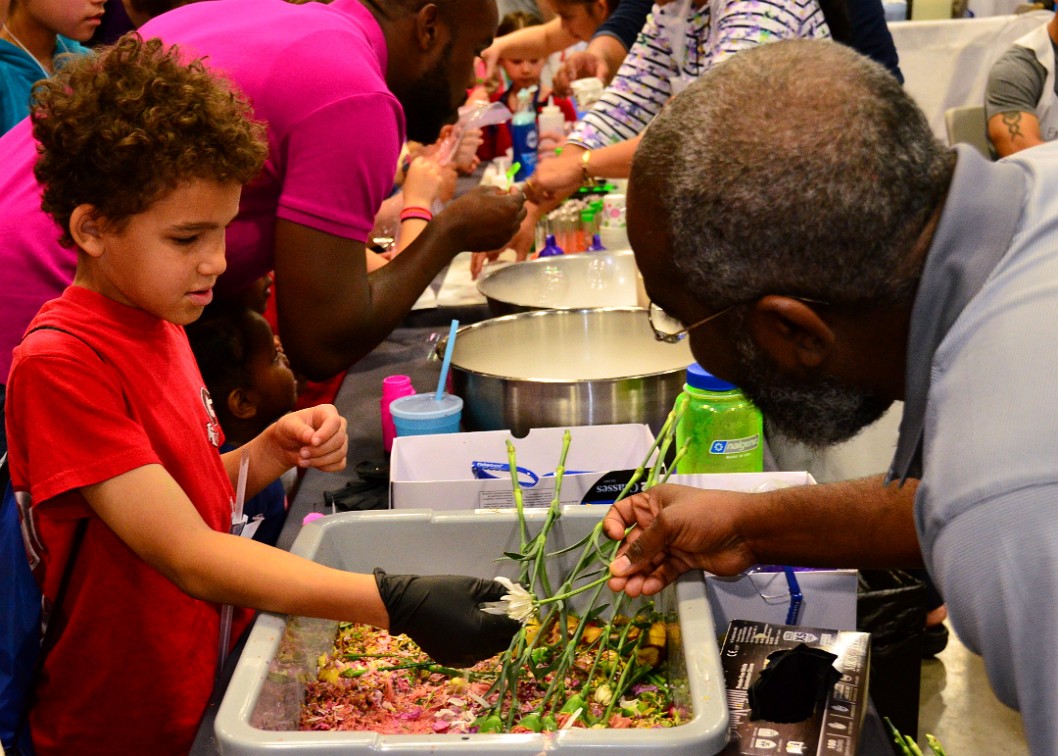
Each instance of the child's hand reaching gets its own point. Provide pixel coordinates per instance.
(312, 437)
(425, 183)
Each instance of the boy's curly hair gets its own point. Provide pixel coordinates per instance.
(119, 128)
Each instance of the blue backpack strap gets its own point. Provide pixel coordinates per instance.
(20, 621)
(22, 649)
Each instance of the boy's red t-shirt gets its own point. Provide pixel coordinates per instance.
(133, 668)
(498, 138)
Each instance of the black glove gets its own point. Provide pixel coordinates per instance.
(441, 614)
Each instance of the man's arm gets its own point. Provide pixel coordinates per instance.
(332, 312)
(860, 523)
(997, 572)
(1015, 85)
(1014, 131)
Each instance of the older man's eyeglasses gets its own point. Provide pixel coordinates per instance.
(672, 330)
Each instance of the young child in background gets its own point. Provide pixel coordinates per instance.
(251, 384)
(113, 437)
(33, 35)
(420, 181)
(522, 73)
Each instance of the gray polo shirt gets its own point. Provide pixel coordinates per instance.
(1016, 81)
(980, 423)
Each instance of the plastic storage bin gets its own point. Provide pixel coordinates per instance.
(424, 541)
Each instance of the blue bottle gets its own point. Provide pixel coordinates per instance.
(524, 138)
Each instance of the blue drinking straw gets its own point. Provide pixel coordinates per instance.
(447, 360)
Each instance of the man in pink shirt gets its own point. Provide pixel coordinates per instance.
(340, 86)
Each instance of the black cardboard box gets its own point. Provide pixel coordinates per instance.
(835, 726)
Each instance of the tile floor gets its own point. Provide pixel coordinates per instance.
(958, 707)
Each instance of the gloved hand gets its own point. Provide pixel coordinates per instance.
(441, 614)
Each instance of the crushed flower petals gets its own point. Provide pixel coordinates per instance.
(372, 681)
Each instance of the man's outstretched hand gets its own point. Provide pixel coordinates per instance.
(675, 529)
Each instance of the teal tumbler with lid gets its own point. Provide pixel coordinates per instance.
(423, 414)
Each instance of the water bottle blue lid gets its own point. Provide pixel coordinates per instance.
(699, 378)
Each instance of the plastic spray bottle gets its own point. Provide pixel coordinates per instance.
(524, 137)
(551, 119)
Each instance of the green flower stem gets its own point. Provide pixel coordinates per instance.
(934, 745)
(570, 652)
(604, 638)
(638, 674)
(666, 428)
(519, 504)
(897, 737)
(534, 572)
(575, 591)
(666, 437)
(676, 460)
(622, 645)
(553, 513)
(629, 674)
(533, 568)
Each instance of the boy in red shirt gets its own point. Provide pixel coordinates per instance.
(142, 159)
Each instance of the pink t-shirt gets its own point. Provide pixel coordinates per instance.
(315, 74)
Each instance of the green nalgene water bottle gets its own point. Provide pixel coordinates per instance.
(723, 428)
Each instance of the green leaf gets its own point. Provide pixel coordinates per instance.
(579, 544)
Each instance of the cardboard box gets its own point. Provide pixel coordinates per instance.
(829, 598)
(748, 482)
(434, 471)
(835, 726)
(829, 595)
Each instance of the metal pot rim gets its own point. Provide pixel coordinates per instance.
(443, 341)
(483, 281)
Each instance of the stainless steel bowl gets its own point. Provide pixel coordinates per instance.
(568, 282)
(551, 368)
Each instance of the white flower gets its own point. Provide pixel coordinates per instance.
(517, 603)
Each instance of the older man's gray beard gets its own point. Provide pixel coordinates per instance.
(818, 414)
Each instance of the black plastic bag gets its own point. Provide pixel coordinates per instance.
(891, 606)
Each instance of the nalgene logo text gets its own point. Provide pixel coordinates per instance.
(734, 445)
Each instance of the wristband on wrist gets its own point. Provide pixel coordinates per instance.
(585, 174)
(418, 213)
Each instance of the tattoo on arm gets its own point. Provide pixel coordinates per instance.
(1013, 122)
